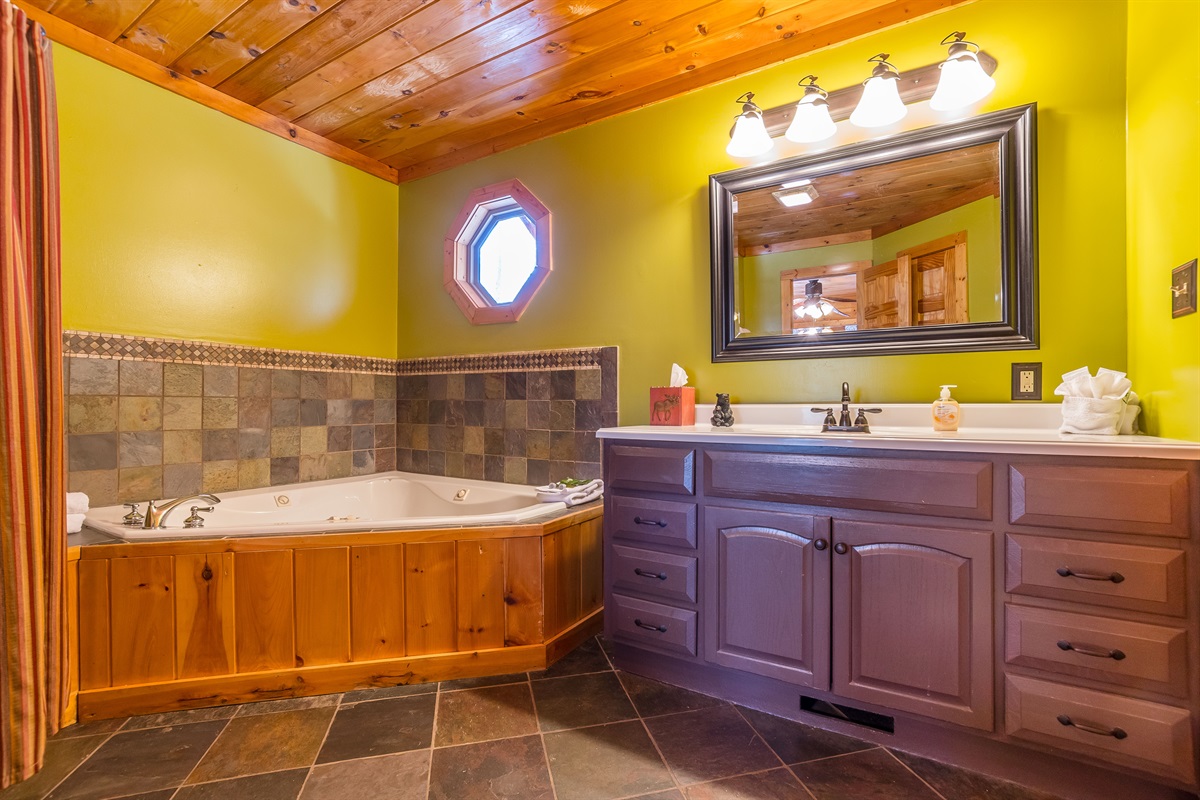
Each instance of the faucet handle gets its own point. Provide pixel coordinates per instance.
(829, 418)
(195, 520)
(134, 517)
(861, 419)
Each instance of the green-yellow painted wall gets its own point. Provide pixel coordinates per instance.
(179, 221)
(980, 220)
(1164, 209)
(629, 203)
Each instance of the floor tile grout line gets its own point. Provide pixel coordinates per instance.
(437, 702)
(82, 761)
(649, 735)
(799, 780)
(207, 750)
(758, 734)
(936, 793)
(336, 708)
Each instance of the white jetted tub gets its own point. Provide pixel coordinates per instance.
(384, 501)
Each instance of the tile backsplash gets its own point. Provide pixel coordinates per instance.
(152, 418)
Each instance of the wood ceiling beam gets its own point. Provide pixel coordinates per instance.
(89, 44)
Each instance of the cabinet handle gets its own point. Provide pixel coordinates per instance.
(1116, 733)
(820, 544)
(840, 548)
(662, 576)
(1067, 572)
(655, 628)
(1088, 650)
(657, 522)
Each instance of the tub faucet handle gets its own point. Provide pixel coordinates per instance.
(195, 520)
(134, 517)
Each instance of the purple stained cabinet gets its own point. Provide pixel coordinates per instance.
(767, 580)
(912, 619)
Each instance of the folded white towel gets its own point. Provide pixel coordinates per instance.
(587, 494)
(557, 493)
(77, 503)
(75, 522)
(1095, 415)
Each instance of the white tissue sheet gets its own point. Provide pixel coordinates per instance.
(678, 376)
(77, 503)
(1101, 405)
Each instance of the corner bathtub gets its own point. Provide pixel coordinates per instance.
(274, 599)
(385, 501)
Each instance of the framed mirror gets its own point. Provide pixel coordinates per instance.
(923, 242)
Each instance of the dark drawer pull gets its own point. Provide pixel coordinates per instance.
(1067, 572)
(656, 522)
(1116, 733)
(655, 628)
(1088, 650)
(662, 576)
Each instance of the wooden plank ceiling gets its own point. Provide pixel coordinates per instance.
(408, 88)
(865, 204)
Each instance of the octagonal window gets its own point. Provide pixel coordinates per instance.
(497, 253)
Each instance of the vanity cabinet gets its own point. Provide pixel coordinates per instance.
(1028, 615)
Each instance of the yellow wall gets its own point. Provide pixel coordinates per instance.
(1164, 209)
(629, 204)
(179, 221)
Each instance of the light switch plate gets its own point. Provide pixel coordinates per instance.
(1027, 381)
(1183, 289)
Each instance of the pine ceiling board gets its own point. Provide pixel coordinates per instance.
(876, 17)
(169, 28)
(372, 110)
(252, 31)
(108, 19)
(398, 45)
(665, 50)
(326, 38)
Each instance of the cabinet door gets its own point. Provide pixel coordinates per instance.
(767, 594)
(912, 619)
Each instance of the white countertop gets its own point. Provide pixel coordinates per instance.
(998, 428)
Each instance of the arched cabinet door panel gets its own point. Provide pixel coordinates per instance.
(912, 619)
(767, 594)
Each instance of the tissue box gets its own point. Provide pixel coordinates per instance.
(672, 405)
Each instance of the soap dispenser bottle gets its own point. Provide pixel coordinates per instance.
(945, 410)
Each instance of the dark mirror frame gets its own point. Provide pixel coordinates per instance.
(1013, 129)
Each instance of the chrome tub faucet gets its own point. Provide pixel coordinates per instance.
(156, 516)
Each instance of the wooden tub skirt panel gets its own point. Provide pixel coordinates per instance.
(172, 625)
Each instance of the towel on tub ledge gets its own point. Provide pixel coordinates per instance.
(572, 495)
(75, 522)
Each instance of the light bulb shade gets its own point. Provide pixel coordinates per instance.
(750, 137)
(811, 122)
(880, 104)
(962, 82)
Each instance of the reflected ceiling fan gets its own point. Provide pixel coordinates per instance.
(814, 305)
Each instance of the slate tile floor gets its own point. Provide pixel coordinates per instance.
(577, 731)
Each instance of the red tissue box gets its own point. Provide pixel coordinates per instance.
(672, 405)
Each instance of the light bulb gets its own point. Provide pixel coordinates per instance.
(962, 83)
(880, 104)
(750, 137)
(811, 121)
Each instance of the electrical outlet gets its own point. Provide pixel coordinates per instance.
(1027, 381)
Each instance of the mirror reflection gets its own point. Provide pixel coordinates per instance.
(910, 243)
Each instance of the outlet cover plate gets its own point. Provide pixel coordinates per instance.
(1183, 289)
(1032, 394)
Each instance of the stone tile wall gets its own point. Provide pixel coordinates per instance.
(138, 430)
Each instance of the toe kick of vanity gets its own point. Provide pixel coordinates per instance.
(1024, 615)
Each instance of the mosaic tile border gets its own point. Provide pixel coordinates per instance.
(86, 344)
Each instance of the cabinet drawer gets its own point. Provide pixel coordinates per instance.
(651, 469)
(659, 522)
(654, 625)
(662, 574)
(1118, 499)
(961, 489)
(1154, 737)
(1117, 575)
(1116, 651)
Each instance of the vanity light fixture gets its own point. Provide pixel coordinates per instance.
(880, 103)
(962, 81)
(814, 306)
(796, 193)
(811, 122)
(750, 137)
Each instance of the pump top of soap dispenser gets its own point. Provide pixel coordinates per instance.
(946, 387)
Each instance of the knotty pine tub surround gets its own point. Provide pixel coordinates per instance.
(150, 418)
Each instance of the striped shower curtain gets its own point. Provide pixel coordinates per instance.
(32, 513)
